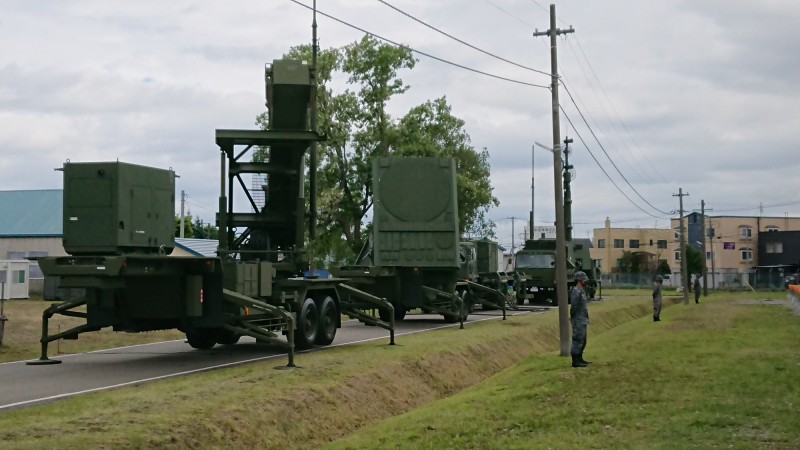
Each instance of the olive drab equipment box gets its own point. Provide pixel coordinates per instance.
(113, 208)
(416, 212)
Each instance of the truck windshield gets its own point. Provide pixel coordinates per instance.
(535, 261)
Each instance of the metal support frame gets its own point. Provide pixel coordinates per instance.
(63, 309)
(476, 297)
(255, 326)
(455, 301)
(357, 310)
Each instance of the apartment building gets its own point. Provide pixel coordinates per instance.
(732, 247)
(648, 245)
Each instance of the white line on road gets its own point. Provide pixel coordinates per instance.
(219, 366)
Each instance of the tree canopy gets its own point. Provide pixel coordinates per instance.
(358, 128)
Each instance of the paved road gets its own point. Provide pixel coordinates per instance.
(22, 385)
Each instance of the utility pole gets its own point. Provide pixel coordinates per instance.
(513, 233)
(312, 168)
(703, 245)
(561, 255)
(530, 222)
(682, 231)
(567, 196)
(183, 202)
(713, 257)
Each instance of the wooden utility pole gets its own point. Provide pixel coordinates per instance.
(703, 245)
(561, 253)
(684, 265)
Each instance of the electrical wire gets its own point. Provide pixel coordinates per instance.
(419, 52)
(604, 170)
(462, 42)
(515, 17)
(606, 153)
(635, 145)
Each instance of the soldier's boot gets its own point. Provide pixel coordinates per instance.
(580, 357)
(656, 319)
(576, 361)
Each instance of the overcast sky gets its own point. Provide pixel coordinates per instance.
(695, 95)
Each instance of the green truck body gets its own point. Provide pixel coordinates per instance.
(414, 256)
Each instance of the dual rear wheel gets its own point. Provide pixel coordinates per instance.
(316, 323)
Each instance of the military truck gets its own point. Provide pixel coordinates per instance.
(482, 281)
(119, 229)
(536, 263)
(413, 255)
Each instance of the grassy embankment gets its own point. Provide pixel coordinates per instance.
(712, 375)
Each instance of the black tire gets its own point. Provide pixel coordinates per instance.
(305, 333)
(328, 315)
(227, 337)
(201, 339)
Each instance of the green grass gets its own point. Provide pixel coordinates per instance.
(712, 375)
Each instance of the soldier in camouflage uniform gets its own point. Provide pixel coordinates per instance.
(579, 317)
(657, 298)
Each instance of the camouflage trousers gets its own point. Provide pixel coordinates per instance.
(657, 307)
(579, 331)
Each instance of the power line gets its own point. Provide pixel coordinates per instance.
(604, 170)
(606, 153)
(460, 41)
(635, 146)
(516, 17)
(510, 80)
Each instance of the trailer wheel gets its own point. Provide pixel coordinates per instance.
(328, 314)
(307, 319)
(227, 337)
(201, 339)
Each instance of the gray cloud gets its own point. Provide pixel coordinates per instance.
(694, 95)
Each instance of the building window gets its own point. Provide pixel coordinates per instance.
(677, 233)
(745, 232)
(601, 243)
(747, 255)
(619, 243)
(18, 276)
(774, 247)
(634, 243)
(709, 255)
(677, 255)
(662, 243)
(772, 229)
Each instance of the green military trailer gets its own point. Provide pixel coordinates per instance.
(119, 229)
(413, 257)
(481, 279)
